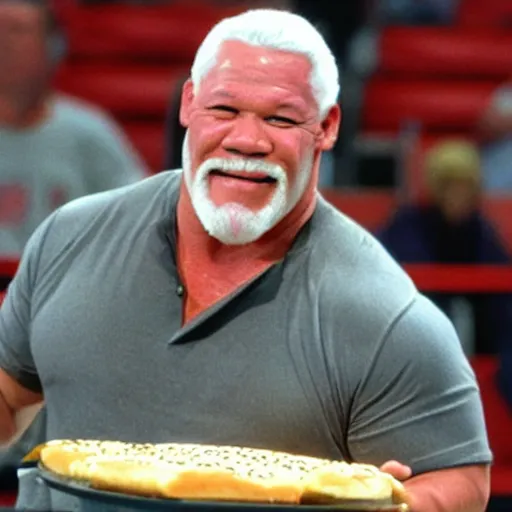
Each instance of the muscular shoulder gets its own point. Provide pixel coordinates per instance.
(354, 273)
(111, 214)
(154, 192)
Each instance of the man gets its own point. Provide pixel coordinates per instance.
(452, 229)
(230, 304)
(52, 148)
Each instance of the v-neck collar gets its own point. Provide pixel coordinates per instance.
(300, 243)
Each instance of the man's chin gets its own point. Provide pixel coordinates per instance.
(234, 224)
(231, 241)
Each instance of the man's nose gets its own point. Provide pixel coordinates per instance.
(248, 138)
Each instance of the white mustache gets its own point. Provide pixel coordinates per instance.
(242, 164)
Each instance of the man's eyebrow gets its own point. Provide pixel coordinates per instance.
(222, 93)
(292, 105)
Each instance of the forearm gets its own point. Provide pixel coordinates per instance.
(13, 399)
(7, 425)
(450, 490)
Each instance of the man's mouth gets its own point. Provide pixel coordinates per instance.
(255, 177)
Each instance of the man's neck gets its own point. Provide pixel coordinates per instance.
(20, 113)
(211, 270)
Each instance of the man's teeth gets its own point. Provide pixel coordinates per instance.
(247, 177)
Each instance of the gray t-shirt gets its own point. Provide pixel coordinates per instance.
(332, 352)
(77, 150)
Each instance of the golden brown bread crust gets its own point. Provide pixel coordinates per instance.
(165, 481)
(205, 472)
(338, 480)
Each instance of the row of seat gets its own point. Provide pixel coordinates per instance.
(434, 82)
(485, 13)
(127, 90)
(445, 51)
(390, 105)
(169, 31)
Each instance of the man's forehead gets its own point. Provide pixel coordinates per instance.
(286, 74)
(233, 52)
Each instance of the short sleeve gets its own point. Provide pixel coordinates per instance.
(113, 160)
(15, 315)
(419, 402)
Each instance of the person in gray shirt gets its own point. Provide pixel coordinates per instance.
(53, 148)
(229, 303)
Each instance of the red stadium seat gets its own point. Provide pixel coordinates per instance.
(149, 139)
(171, 32)
(444, 105)
(434, 51)
(129, 90)
(7, 499)
(487, 13)
(8, 266)
(370, 208)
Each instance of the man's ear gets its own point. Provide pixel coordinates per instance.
(187, 98)
(329, 129)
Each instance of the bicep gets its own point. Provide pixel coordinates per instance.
(15, 395)
(15, 351)
(16, 358)
(418, 402)
(13, 398)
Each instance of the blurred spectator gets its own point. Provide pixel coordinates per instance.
(452, 229)
(495, 133)
(417, 12)
(52, 148)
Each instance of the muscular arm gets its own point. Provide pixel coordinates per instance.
(420, 406)
(462, 489)
(20, 386)
(13, 397)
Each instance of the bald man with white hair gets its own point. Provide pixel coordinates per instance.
(228, 303)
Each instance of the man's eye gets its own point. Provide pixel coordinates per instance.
(224, 108)
(281, 121)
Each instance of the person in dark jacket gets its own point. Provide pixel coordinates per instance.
(452, 229)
